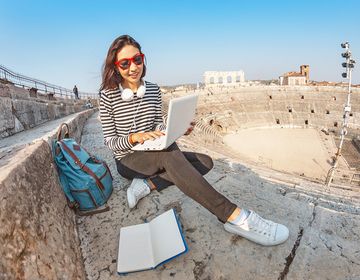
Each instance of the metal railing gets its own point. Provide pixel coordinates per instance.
(40, 86)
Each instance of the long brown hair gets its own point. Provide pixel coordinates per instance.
(111, 77)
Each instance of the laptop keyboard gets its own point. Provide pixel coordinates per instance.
(156, 142)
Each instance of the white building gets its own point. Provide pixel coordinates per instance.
(223, 78)
(295, 78)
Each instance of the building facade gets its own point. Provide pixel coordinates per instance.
(224, 78)
(296, 78)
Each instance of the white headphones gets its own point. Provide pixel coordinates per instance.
(128, 95)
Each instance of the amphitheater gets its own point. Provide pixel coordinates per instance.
(272, 148)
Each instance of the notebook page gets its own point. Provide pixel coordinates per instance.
(166, 237)
(135, 249)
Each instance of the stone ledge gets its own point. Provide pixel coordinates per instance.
(38, 231)
(20, 110)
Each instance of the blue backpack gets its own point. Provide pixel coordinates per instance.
(85, 179)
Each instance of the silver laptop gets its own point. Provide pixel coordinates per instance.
(181, 113)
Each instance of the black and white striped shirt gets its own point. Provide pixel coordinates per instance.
(119, 118)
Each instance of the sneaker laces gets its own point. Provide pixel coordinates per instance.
(140, 189)
(260, 225)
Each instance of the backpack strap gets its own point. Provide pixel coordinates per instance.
(63, 180)
(66, 135)
(107, 168)
(96, 160)
(101, 162)
(82, 166)
(91, 212)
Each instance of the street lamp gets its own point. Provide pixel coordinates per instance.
(349, 65)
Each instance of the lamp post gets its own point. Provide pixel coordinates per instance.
(349, 65)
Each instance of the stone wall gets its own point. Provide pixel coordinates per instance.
(38, 232)
(21, 110)
(275, 106)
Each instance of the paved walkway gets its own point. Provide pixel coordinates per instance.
(42, 131)
(323, 244)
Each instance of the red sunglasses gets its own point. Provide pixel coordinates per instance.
(125, 63)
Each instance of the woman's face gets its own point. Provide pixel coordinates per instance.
(128, 64)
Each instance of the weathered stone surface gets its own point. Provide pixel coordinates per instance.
(323, 223)
(18, 125)
(4, 90)
(6, 117)
(37, 228)
(54, 111)
(28, 112)
(214, 253)
(46, 131)
(18, 92)
(19, 111)
(329, 247)
(33, 92)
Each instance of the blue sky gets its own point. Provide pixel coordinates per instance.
(65, 42)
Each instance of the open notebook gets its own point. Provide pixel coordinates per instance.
(145, 246)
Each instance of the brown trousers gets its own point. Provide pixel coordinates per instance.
(183, 169)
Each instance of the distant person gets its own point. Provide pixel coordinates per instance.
(130, 113)
(88, 103)
(76, 92)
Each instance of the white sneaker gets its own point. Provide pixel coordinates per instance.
(137, 190)
(259, 230)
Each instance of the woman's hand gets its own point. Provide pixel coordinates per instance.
(191, 128)
(141, 137)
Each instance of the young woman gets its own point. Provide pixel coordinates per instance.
(130, 112)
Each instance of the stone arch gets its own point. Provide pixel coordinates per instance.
(223, 78)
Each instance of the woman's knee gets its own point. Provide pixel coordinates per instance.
(203, 163)
(173, 157)
(126, 172)
(206, 161)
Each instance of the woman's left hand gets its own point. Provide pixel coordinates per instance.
(191, 128)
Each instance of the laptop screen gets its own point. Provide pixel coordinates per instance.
(181, 113)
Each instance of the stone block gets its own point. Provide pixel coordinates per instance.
(64, 109)
(37, 233)
(329, 248)
(19, 93)
(18, 125)
(44, 112)
(23, 111)
(33, 92)
(4, 90)
(40, 112)
(7, 124)
(51, 96)
(42, 96)
(52, 111)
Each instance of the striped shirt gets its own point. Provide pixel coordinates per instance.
(120, 118)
